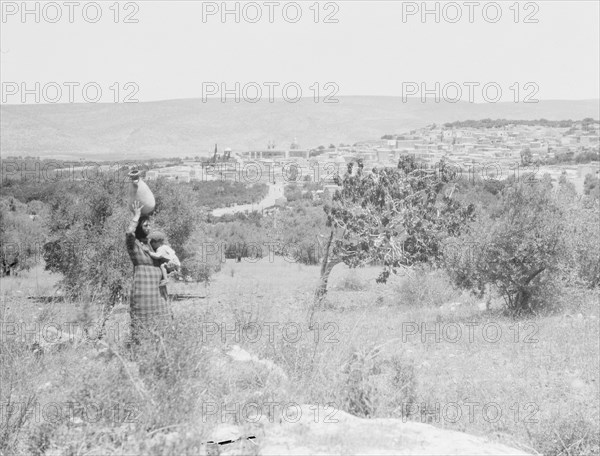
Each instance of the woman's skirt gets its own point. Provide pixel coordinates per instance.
(149, 304)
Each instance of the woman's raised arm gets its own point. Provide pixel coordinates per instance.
(136, 208)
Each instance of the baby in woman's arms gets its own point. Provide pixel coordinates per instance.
(162, 251)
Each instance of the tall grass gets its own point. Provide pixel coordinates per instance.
(358, 358)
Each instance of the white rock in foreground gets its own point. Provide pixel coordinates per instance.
(349, 435)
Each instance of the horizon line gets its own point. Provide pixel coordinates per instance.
(281, 99)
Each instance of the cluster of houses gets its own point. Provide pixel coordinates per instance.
(464, 146)
(468, 145)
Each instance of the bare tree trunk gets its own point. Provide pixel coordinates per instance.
(326, 266)
(322, 288)
(523, 295)
(488, 301)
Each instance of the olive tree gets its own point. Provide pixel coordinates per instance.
(516, 248)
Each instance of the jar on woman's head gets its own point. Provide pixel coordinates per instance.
(143, 228)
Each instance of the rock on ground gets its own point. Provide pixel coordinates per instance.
(321, 431)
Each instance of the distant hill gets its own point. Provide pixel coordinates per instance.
(191, 127)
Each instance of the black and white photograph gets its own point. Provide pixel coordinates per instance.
(351, 227)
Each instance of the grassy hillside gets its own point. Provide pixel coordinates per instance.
(524, 383)
(191, 127)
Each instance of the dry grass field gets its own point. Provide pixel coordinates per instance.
(412, 349)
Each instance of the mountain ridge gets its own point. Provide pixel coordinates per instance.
(183, 127)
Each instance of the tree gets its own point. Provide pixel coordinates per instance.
(177, 212)
(293, 174)
(20, 237)
(591, 186)
(515, 248)
(87, 225)
(396, 217)
(526, 157)
(200, 261)
(292, 192)
(86, 244)
(562, 180)
(236, 239)
(546, 181)
(300, 230)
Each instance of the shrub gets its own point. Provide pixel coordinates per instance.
(173, 372)
(517, 248)
(583, 250)
(571, 433)
(293, 192)
(20, 237)
(301, 228)
(200, 264)
(373, 386)
(425, 287)
(236, 239)
(18, 396)
(352, 282)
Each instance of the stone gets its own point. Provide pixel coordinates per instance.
(53, 339)
(305, 429)
(240, 355)
(322, 431)
(450, 306)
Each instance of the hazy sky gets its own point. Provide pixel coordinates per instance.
(373, 49)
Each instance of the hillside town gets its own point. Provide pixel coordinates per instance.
(471, 149)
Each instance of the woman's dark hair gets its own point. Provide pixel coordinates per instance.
(139, 233)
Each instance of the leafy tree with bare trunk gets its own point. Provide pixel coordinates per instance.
(393, 217)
